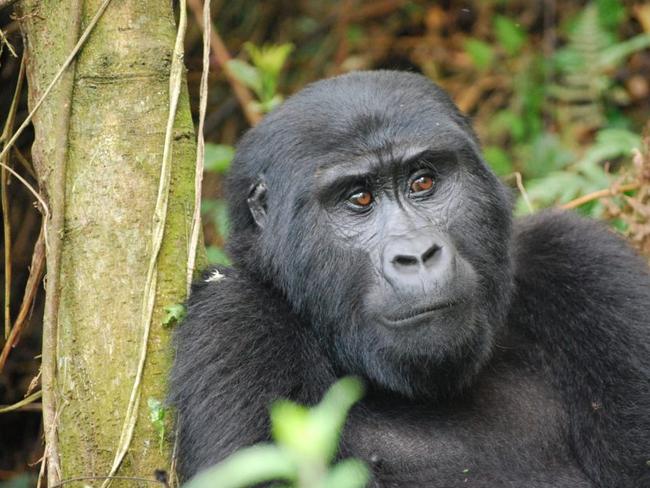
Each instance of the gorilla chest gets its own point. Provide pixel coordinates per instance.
(504, 432)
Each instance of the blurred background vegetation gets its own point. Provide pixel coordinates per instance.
(559, 93)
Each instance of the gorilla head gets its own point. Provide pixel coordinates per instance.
(365, 202)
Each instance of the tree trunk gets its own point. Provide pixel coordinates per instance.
(98, 152)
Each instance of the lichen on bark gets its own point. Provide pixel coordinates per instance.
(113, 152)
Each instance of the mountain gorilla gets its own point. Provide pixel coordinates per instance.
(369, 238)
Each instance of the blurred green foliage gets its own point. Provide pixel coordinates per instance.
(263, 74)
(562, 129)
(306, 443)
(25, 480)
(218, 157)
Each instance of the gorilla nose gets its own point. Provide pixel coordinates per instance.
(418, 258)
(410, 261)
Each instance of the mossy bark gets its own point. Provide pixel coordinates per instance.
(113, 144)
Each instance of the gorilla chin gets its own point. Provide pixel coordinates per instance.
(433, 354)
(434, 357)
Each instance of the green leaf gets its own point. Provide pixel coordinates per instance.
(221, 220)
(174, 314)
(217, 256)
(157, 418)
(268, 105)
(556, 186)
(610, 13)
(247, 467)
(350, 473)
(246, 74)
(307, 440)
(544, 155)
(609, 144)
(218, 157)
(330, 414)
(616, 54)
(355, 34)
(509, 34)
(499, 160)
(269, 59)
(480, 52)
(508, 122)
(215, 210)
(312, 434)
(290, 426)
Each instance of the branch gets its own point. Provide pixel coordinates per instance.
(25, 401)
(607, 192)
(31, 288)
(6, 224)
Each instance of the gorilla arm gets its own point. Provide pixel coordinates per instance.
(238, 349)
(584, 297)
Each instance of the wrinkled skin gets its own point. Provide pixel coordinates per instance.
(370, 238)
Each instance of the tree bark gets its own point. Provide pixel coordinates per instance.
(98, 153)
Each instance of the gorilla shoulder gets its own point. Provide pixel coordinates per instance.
(567, 256)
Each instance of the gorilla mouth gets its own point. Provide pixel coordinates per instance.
(417, 315)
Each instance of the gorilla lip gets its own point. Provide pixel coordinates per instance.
(417, 315)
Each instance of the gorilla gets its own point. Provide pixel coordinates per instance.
(369, 238)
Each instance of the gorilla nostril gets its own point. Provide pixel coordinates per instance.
(405, 260)
(429, 253)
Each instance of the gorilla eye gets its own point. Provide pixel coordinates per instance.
(422, 183)
(361, 199)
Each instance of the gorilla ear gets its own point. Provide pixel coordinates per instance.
(257, 203)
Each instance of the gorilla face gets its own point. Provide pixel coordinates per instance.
(372, 211)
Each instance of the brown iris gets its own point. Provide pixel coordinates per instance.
(422, 183)
(361, 198)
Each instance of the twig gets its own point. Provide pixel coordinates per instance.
(31, 288)
(200, 148)
(21, 403)
(522, 190)
(44, 208)
(48, 447)
(173, 476)
(32, 407)
(5, 42)
(223, 56)
(158, 229)
(6, 223)
(607, 192)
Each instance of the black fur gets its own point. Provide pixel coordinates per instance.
(536, 375)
